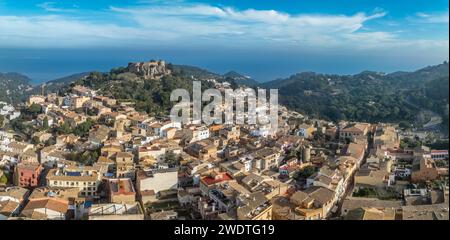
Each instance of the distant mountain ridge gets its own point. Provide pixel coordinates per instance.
(234, 74)
(241, 79)
(54, 84)
(367, 96)
(68, 79)
(194, 72)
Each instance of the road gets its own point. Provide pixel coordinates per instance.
(435, 119)
(348, 190)
(433, 123)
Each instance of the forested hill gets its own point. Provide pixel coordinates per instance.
(367, 96)
(241, 79)
(149, 95)
(132, 83)
(57, 84)
(13, 86)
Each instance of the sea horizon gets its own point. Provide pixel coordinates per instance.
(41, 67)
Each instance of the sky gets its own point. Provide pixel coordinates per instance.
(265, 39)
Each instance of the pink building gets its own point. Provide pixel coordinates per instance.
(27, 175)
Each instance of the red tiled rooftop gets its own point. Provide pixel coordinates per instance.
(208, 180)
(121, 187)
(439, 151)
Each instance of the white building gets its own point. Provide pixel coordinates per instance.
(86, 179)
(5, 138)
(9, 112)
(200, 133)
(167, 125)
(261, 131)
(14, 115)
(157, 180)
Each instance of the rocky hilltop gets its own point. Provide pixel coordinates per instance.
(149, 70)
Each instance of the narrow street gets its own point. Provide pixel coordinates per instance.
(351, 183)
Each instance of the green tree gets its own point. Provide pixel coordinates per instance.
(88, 157)
(50, 142)
(2, 119)
(404, 125)
(82, 129)
(45, 123)
(410, 143)
(34, 109)
(171, 158)
(3, 179)
(64, 129)
(365, 192)
(441, 145)
(18, 125)
(305, 172)
(35, 140)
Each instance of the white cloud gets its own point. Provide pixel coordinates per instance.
(155, 23)
(261, 25)
(57, 31)
(433, 17)
(51, 7)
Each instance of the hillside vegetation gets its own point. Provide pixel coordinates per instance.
(13, 86)
(411, 97)
(151, 96)
(368, 96)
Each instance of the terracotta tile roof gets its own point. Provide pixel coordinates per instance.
(209, 180)
(439, 151)
(56, 205)
(148, 193)
(124, 155)
(15, 192)
(8, 207)
(320, 195)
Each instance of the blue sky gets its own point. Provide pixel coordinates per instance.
(265, 39)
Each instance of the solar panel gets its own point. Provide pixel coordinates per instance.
(73, 174)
